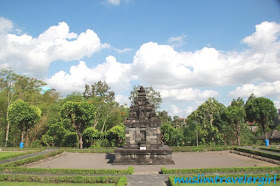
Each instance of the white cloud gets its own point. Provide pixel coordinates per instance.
(33, 56)
(5, 25)
(174, 110)
(121, 99)
(116, 74)
(114, 2)
(267, 89)
(173, 72)
(125, 50)
(177, 41)
(164, 67)
(277, 104)
(187, 94)
(266, 34)
(160, 66)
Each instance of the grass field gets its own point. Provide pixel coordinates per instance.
(10, 154)
(232, 184)
(3, 183)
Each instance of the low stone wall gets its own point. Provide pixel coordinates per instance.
(161, 156)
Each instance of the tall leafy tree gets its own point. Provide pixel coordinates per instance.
(80, 115)
(262, 111)
(18, 87)
(208, 119)
(234, 117)
(171, 135)
(163, 116)
(23, 115)
(103, 100)
(152, 95)
(99, 89)
(7, 81)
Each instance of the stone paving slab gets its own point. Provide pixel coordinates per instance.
(182, 160)
(147, 180)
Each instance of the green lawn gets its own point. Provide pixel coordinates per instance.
(6, 155)
(231, 184)
(3, 183)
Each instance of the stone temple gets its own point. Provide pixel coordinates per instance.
(142, 136)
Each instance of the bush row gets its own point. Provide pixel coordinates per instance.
(121, 181)
(270, 149)
(17, 155)
(31, 159)
(171, 179)
(200, 148)
(22, 149)
(259, 153)
(130, 170)
(218, 170)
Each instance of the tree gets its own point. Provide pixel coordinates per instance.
(99, 89)
(234, 117)
(262, 111)
(152, 95)
(239, 102)
(208, 119)
(163, 116)
(90, 135)
(7, 80)
(116, 135)
(171, 136)
(57, 133)
(80, 115)
(23, 115)
(18, 87)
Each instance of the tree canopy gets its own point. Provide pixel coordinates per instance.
(262, 111)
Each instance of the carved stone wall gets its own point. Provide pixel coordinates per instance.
(142, 128)
(142, 136)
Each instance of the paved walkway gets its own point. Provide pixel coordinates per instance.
(149, 177)
(147, 180)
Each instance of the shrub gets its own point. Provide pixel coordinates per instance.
(36, 144)
(71, 139)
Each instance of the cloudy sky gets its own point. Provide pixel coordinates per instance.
(188, 50)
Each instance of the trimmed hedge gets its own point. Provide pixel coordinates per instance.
(63, 179)
(270, 149)
(122, 181)
(22, 149)
(259, 153)
(171, 179)
(16, 155)
(31, 159)
(218, 170)
(200, 148)
(130, 170)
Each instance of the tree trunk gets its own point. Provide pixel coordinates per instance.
(7, 116)
(80, 139)
(103, 125)
(238, 134)
(95, 122)
(7, 131)
(22, 135)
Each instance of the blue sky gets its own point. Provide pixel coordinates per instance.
(188, 50)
